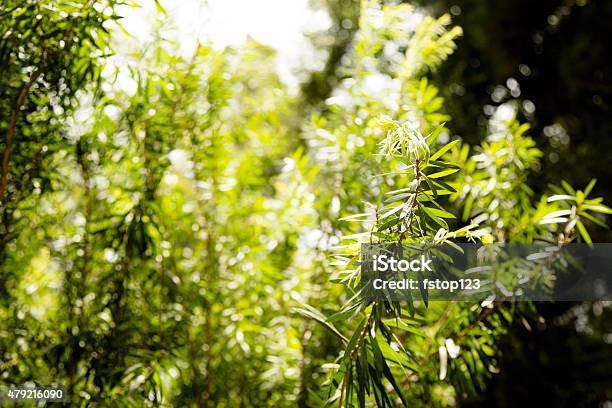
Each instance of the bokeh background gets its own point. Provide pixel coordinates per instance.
(173, 181)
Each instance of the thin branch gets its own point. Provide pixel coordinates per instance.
(10, 135)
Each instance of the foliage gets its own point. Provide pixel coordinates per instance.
(167, 221)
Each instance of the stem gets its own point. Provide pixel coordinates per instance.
(364, 332)
(12, 129)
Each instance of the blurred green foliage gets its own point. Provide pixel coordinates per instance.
(166, 228)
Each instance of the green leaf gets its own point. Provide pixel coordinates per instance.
(439, 192)
(423, 290)
(355, 236)
(401, 324)
(568, 188)
(599, 208)
(443, 164)
(583, 232)
(352, 217)
(433, 136)
(399, 197)
(392, 211)
(388, 224)
(354, 338)
(560, 213)
(467, 208)
(589, 187)
(401, 191)
(362, 374)
(160, 8)
(432, 187)
(313, 313)
(444, 185)
(378, 355)
(555, 220)
(442, 173)
(387, 372)
(438, 213)
(437, 220)
(559, 197)
(426, 212)
(443, 150)
(593, 219)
